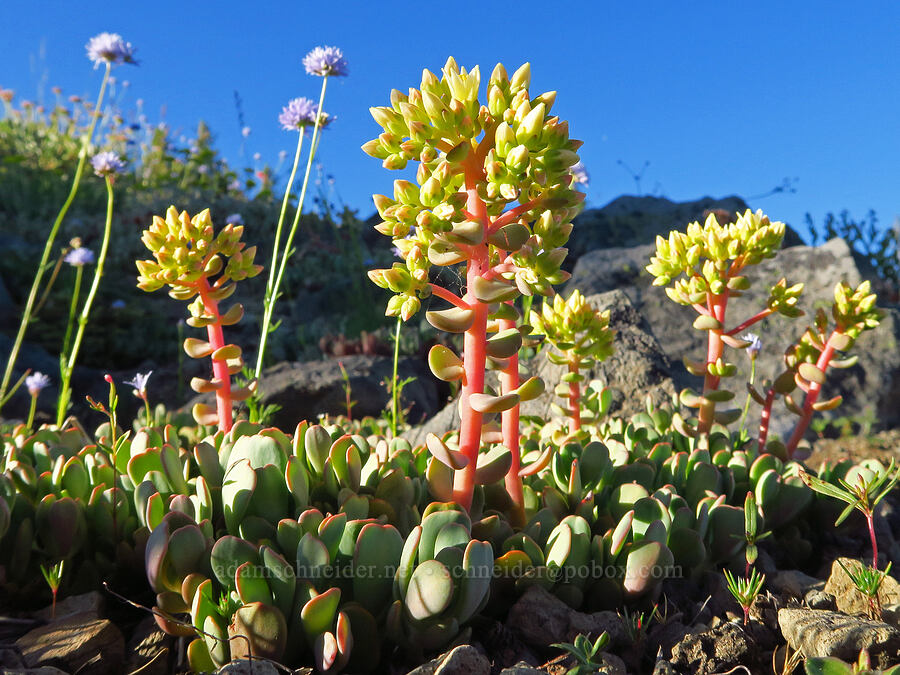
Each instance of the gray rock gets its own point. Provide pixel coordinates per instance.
(715, 651)
(637, 368)
(869, 388)
(80, 643)
(847, 598)
(793, 582)
(460, 660)
(822, 633)
(630, 221)
(247, 667)
(90, 603)
(541, 619)
(149, 649)
(817, 599)
(522, 668)
(305, 390)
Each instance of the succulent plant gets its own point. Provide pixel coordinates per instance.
(474, 161)
(831, 665)
(191, 259)
(703, 268)
(581, 336)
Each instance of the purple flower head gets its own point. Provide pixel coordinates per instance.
(755, 346)
(298, 113)
(111, 48)
(140, 383)
(107, 163)
(235, 219)
(36, 382)
(78, 257)
(579, 174)
(325, 61)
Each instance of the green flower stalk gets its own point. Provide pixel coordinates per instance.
(581, 337)
(745, 590)
(106, 164)
(494, 192)
(190, 259)
(300, 113)
(703, 268)
(27, 313)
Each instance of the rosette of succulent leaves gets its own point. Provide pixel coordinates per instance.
(493, 193)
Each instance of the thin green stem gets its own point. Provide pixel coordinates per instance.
(65, 392)
(73, 308)
(274, 264)
(747, 402)
(31, 411)
(273, 296)
(48, 246)
(395, 394)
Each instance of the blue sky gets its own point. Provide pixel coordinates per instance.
(720, 97)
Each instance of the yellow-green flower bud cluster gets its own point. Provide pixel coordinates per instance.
(581, 334)
(186, 249)
(512, 149)
(711, 256)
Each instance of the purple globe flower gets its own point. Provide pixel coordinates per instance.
(36, 382)
(325, 61)
(107, 163)
(755, 346)
(79, 257)
(298, 113)
(111, 48)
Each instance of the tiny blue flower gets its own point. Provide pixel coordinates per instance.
(140, 383)
(325, 61)
(118, 304)
(36, 382)
(235, 219)
(755, 346)
(298, 113)
(107, 163)
(579, 174)
(111, 48)
(78, 257)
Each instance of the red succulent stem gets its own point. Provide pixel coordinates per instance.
(574, 399)
(765, 418)
(509, 216)
(759, 316)
(219, 366)
(812, 394)
(509, 382)
(474, 341)
(449, 296)
(714, 350)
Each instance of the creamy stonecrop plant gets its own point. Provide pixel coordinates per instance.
(191, 259)
(704, 268)
(581, 336)
(493, 192)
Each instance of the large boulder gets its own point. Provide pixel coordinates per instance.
(870, 388)
(306, 390)
(630, 221)
(639, 367)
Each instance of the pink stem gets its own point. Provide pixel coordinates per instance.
(219, 366)
(474, 350)
(870, 519)
(574, 399)
(509, 381)
(715, 347)
(449, 296)
(764, 419)
(749, 322)
(509, 216)
(812, 395)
